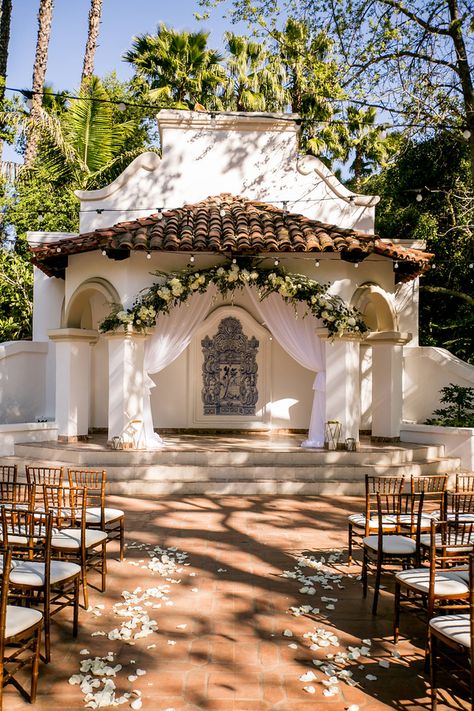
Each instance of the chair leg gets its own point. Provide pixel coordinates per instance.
(378, 575)
(103, 567)
(35, 666)
(396, 614)
(47, 637)
(364, 573)
(432, 663)
(84, 585)
(75, 615)
(122, 537)
(349, 544)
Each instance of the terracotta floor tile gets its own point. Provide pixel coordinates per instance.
(232, 654)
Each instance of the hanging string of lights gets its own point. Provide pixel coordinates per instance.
(123, 105)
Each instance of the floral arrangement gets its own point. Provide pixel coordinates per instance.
(175, 288)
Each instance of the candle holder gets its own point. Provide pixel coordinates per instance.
(332, 432)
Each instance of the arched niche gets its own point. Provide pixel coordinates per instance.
(87, 307)
(90, 303)
(251, 332)
(375, 306)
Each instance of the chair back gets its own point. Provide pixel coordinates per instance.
(94, 480)
(403, 509)
(45, 475)
(383, 485)
(464, 481)
(67, 506)
(28, 533)
(17, 493)
(451, 543)
(8, 472)
(458, 506)
(431, 484)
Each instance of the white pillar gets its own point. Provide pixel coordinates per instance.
(73, 381)
(126, 376)
(387, 383)
(342, 383)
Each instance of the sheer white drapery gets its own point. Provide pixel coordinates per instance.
(172, 335)
(297, 336)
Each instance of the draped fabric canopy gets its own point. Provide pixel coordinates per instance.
(294, 332)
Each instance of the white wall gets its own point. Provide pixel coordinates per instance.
(22, 381)
(457, 441)
(426, 371)
(25, 432)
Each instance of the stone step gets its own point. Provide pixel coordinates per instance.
(296, 457)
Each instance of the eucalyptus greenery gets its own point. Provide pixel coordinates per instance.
(176, 287)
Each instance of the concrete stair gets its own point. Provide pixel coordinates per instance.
(239, 470)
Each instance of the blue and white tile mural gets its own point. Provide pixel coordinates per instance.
(229, 371)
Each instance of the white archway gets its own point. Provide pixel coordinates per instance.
(376, 307)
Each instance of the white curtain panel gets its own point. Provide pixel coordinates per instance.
(172, 335)
(296, 334)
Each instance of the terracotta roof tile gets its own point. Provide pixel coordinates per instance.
(229, 224)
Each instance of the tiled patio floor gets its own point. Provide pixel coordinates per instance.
(219, 644)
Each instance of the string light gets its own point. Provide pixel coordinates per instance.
(222, 212)
(356, 265)
(276, 262)
(159, 214)
(419, 197)
(316, 264)
(122, 106)
(104, 253)
(191, 259)
(148, 255)
(395, 265)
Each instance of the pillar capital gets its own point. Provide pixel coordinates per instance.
(395, 338)
(73, 334)
(127, 333)
(325, 335)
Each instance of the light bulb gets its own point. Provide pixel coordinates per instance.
(356, 265)
(277, 262)
(316, 264)
(148, 255)
(395, 265)
(191, 259)
(419, 197)
(104, 253)
(466, 134)
(58, 249)
(160, 214)
(222, 212)
(121, 106)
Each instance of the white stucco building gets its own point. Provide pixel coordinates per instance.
(225, 186)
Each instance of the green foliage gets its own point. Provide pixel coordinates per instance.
(179, 70)
(175, 288)
(460, 407)
(438, 170)
(16, 296)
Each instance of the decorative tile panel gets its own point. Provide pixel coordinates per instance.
(229, 371)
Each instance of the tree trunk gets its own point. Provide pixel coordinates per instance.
(5, 21)
(91, 46)
(45, 17)
(464, 71)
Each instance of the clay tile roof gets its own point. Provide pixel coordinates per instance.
(231, 225)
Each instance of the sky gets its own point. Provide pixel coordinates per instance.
(121, 21)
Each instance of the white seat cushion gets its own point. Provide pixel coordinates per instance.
(70, 538)
(93, 515)
(462, 517)
(407, 519)
(455, 627)
(20, 619)
(446, 582)
(32, 573)
(392, 545)
(358, 520)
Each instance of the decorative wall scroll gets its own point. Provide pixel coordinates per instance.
(229, 371)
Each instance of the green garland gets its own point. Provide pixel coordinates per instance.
(175, 288)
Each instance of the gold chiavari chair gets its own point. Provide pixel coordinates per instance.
(36, 579)
(451, 645)
(72, 540)
(442, 585)
(98, 515)
(362, 525)
(400, 545)
(20, 637)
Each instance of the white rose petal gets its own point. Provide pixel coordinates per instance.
(384, 663)
(309, 689)
(287, 633)
(137, 704)
(371, 677)
(309, 676)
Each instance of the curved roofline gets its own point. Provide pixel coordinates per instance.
(149, 161)
(309, 163)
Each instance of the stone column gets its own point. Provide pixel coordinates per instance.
(126, 377)
(387, 383)
(342, 382)
(73, 381)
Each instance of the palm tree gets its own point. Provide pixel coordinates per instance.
(255, 77)
(91, 45)
(178, 68)
(82, 146)
(5, 21)
(45, 18)
(366, 140)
